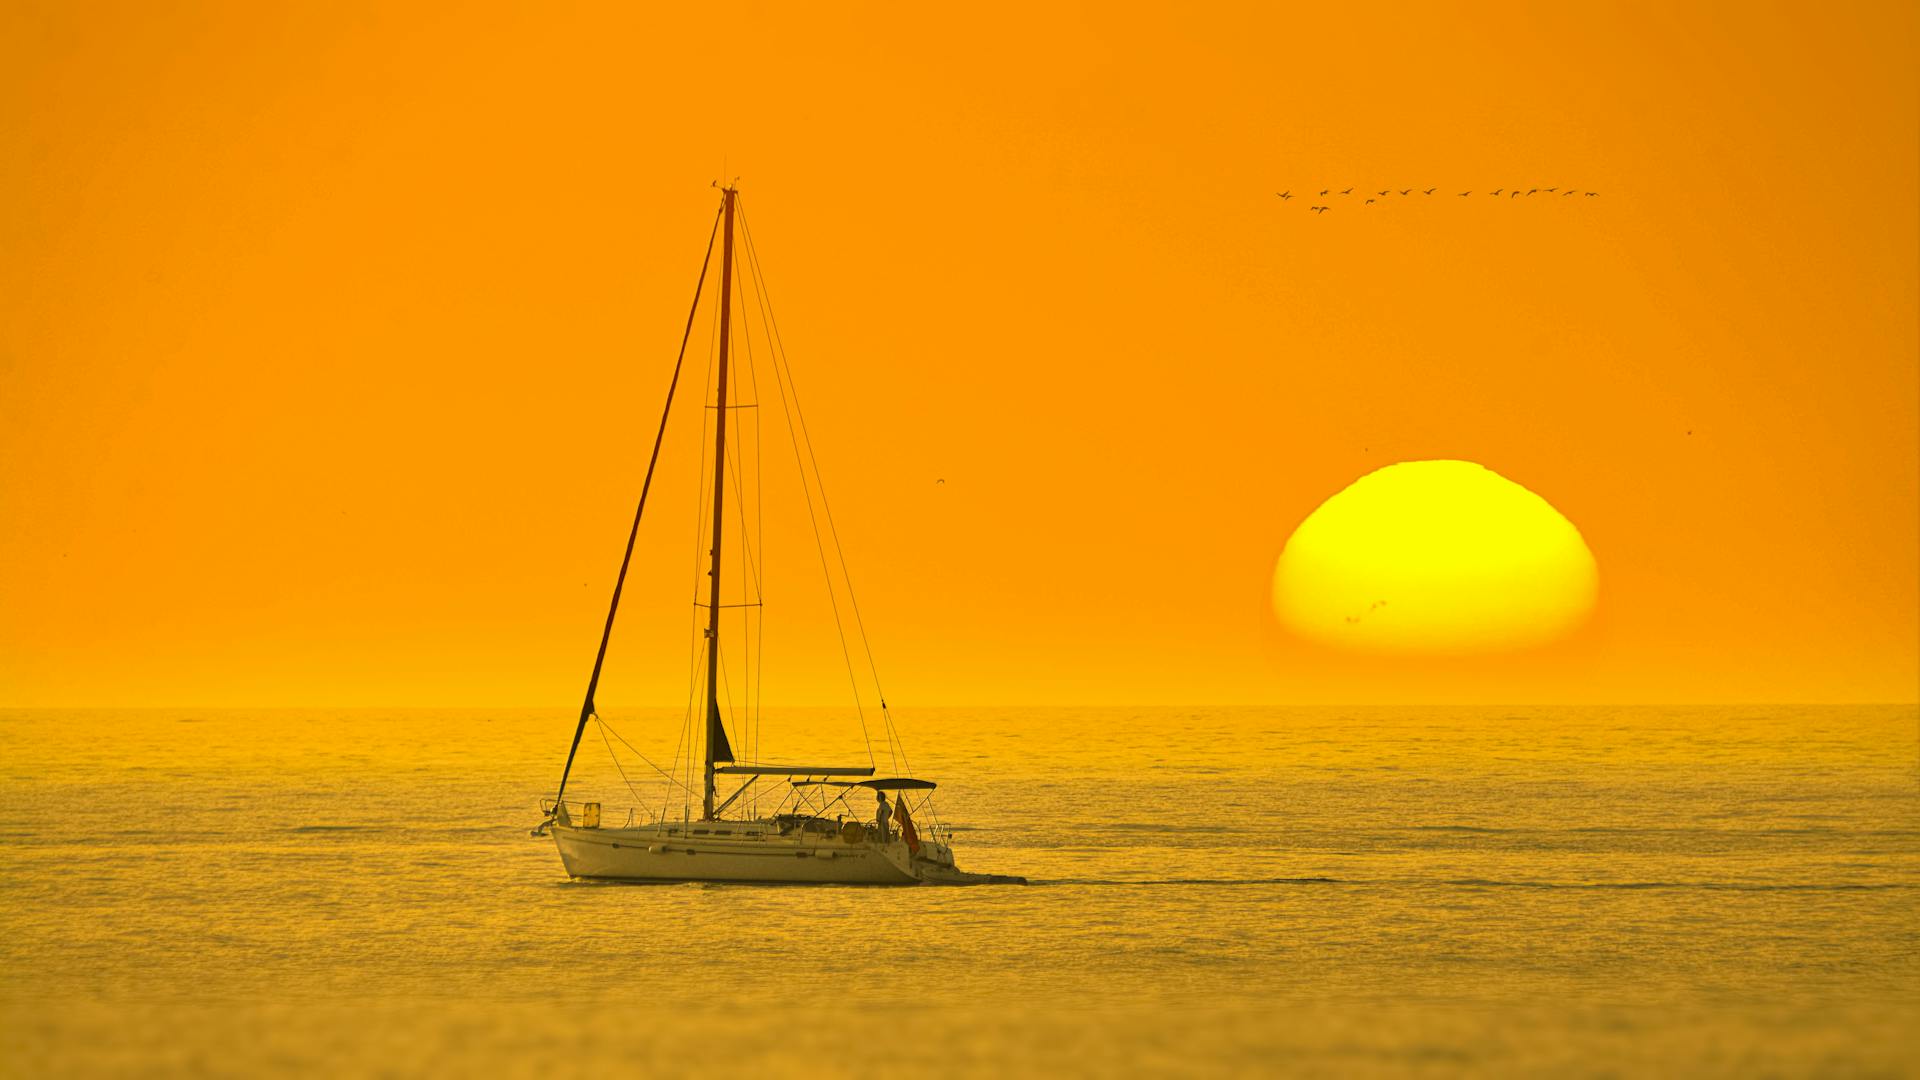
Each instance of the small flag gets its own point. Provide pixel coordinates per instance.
(905, 821)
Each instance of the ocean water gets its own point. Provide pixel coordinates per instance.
(1339, 892)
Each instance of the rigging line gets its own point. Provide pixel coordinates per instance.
(753, 551)
(894, 744)
(780, 358)
(759, 617)
(695, 636)
(636, 751)
(703, 480)
(613, 606)
(739, 468)
(806, 490)
(746, 548)
(704, 483)
(746, 571)
(602, 725)
(755, 627)
(666, 800)
(749, 574)
(683, 742)
(753, 634)
(739, 464)
(825, 570)
(686, 728)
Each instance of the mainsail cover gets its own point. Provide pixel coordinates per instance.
(717, 734)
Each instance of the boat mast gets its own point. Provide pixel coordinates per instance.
(717, 747)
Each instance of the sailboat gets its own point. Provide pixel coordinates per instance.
(790, 823)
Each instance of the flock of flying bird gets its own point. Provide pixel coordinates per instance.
(1511, 193)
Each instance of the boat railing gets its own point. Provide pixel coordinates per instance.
(588, 815)
(591, 815)
(583, 815)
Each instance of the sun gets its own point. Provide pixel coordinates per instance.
(1435, 557)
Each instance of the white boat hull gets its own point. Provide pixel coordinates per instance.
(655, 853)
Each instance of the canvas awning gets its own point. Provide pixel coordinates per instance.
(891, 783)
(795, 770)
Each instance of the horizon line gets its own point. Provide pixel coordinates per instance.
(1021, 705)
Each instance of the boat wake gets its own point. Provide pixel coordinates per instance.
(1486, 883)
(1197, 881)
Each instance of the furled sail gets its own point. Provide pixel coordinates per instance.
(720, 749)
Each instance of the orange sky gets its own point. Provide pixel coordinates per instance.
(332, 339)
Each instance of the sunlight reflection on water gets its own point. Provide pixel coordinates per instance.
(1342, 891)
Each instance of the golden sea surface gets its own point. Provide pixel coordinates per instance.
(1321, 891)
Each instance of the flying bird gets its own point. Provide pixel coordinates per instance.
(1409, 191)
(1349, 191)
(1287, 194)
(1369, 202)
(1321, 209)
(1323, 191)
(1568, 192)
(1497, 191)
(1532, 190)
(1429, 191)
(1383, 192)
(1514, 194)
(1551, 190)
(1464, 194)
(940, 481)
(1591, 194)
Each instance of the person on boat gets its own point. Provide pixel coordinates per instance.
(884, 815)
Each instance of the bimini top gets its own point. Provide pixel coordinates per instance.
(796, 770)
(891, 783)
